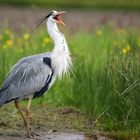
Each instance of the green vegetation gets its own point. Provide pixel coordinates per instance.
(106, 84)
(92, 4)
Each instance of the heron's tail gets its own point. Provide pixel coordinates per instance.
(2, 97)
(5, 97)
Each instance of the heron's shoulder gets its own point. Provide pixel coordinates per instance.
(34, 61)
(34, 57)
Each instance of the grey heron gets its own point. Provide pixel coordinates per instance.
(33, 75)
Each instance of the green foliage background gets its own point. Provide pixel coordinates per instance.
(92, 4)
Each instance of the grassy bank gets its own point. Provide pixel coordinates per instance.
(106, 84)
(96, 4)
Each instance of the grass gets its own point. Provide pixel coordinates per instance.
(96, 4)
(106, 85)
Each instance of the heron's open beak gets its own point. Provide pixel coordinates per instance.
(58, 19)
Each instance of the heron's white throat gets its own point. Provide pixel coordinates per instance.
(61, 59)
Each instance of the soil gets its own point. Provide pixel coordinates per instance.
(58, 136)
(49, 123)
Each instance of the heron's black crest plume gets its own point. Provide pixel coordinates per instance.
(38, 22)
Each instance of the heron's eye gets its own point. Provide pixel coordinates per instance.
(53, 15)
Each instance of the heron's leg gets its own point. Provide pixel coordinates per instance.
(26, 123)
(27, 113)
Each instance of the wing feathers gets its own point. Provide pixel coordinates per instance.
(28, 76)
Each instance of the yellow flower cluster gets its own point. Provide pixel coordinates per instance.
(46, 41)
(6, 39)
(26, 36)
(126, 49)
(9, 42)
(99, 33)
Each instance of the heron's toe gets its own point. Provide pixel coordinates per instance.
(29, 135)
(33, 133)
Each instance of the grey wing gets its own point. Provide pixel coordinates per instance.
(27, 77)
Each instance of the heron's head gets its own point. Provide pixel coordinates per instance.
(53, 17)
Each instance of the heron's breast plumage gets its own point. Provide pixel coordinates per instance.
(61, 59)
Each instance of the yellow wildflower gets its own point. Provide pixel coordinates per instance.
(0, 37)
(124, 50)
(46, 40)
(99, 33)
(128, 47)
(26, 36)
(9, 42)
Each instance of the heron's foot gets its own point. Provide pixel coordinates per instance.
(29, 135)
(32, 134)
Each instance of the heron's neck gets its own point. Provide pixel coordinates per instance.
(55, 34)
(60, 55)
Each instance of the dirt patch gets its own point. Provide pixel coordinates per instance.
(58, 136)
(17, 18)
(49, 123)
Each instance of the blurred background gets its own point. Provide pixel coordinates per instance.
(96, 4)
(104, 38)
(82, 14)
